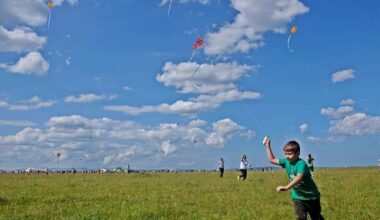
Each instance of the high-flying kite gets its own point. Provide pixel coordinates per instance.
(50, 6)
(198, 43)
(293, 31)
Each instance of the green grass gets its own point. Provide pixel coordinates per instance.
(346, 194)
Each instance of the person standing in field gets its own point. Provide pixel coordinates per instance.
(221, 167)
(310, 164)
(304, 192)
(243, 167)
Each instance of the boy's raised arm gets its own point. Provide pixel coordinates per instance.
(270, 156)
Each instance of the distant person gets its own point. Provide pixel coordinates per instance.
(379, 164)
(243, 167)
(304, 192)
(221, 167)
(128, 169)
(310, 164)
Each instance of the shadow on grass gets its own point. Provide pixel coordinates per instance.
(3, 201)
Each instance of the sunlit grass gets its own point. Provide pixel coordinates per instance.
(346, 194)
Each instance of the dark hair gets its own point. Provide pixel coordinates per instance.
(292, 146)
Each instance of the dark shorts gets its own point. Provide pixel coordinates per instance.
(303, 207)
(243, 173)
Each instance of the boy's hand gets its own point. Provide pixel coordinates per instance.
(266, 141)
(281, 189)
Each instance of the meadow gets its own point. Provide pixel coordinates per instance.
(352, 193)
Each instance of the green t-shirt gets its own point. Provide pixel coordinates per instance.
(306, 188)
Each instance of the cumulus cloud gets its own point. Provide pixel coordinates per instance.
(326, 139)
(32, 63)
(88, 98)
(111, 141)
(304, 128)
(189, 107)
(190, 77)
(215, 84)
(254, 18)
(356, 124)
(347, 102)
(223, 131)
(345, 121)
(33, 103)
(32, 13)
(16, 123)
(27, 12)
(337, 113)
(20, 40)
(342, 75)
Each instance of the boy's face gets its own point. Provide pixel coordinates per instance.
(291, 155)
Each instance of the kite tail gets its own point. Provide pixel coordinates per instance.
(49, 19)
(170, 6)
(192, 55)
(196, 70)
(290, 36)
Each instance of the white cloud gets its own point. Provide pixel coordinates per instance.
(338, 113)
(214, 83)
(347, 102)
(32, 63)
(345, 121)
(304, 128)
(255, 17)
(73, 2)
(223, 131)
(190, 77)
(326, 139)
(204, 2)
(343, 75)
(33, 103)
(110, 141)
(26, 136)
(32, 13)
(20, 40)
(356, 124)
(16, 123)
(108, 159)
(68, 61)
(189, 107)
(88, 98)
(127, 88)
(167, 147)
(197, 123)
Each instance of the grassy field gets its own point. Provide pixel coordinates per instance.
(346, 194)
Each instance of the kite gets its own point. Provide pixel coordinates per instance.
(58, 155)
(50, 6)
(293, 31)
(198, 43)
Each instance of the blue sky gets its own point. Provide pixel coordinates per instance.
(111, 83)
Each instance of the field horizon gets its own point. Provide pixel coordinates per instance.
(350, 193)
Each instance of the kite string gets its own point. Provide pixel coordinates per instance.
(254, 118)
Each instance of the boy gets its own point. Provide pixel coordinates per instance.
(304, 192)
